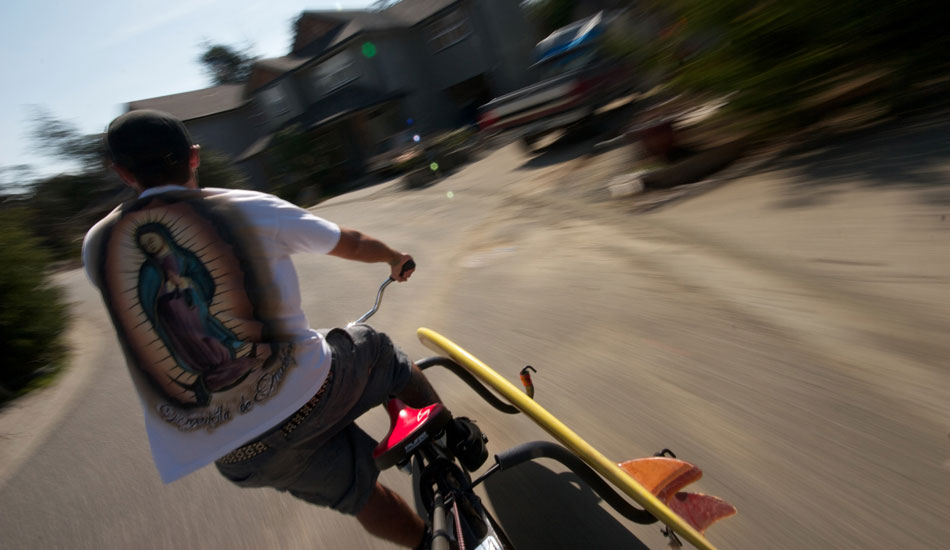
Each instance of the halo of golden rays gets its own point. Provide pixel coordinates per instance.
(230, 303)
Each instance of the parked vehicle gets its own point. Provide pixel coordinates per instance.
(577, 78)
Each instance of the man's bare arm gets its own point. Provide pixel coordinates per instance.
(354, 245)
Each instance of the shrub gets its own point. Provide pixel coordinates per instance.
(61, 208)
(33, 318)
(450, 141)
(217, 170)
(301, 162)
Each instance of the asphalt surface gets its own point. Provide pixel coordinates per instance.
(795, 350)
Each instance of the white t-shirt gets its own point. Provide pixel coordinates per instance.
(206, 304)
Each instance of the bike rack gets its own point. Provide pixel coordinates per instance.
(605, 468)
(527, 452)
(468, 378)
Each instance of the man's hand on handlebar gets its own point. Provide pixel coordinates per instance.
(354, 245)
(402, 268)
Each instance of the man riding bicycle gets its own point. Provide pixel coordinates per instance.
(207, 308)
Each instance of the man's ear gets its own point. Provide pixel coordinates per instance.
(127, 178)
(194, 157)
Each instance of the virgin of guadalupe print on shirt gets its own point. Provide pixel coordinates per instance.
(178, 288)
(176, 292)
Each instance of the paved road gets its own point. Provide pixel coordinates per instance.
(805, 372)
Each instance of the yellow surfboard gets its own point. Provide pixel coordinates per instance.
(604, 466)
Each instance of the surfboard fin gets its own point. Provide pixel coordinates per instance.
(664, 477)
(700, 510)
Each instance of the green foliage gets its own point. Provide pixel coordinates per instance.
(60, 209)
(217, 170)
(300, 163)
(409, 161)
(443, 149)
(628, 46)
(450, 141)
(227, 64)
(57, 138)
(777, 55)
(16, 178)
(33, 318)
(550, 15)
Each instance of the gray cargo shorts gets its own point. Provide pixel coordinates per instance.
(327, 460)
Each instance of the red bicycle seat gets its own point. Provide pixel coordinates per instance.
(408, 428)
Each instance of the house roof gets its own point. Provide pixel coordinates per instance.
(368, 19)
(319, 31)
(220, 99)
(400, 15)
(196, 104)
(282, 64)
(349, 24)
(412, 12)
(365, 21)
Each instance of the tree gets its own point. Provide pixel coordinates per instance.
(227, 64)
(60, 139)
(776, 56)
(16, 179)
(61, 208)
(550, 15)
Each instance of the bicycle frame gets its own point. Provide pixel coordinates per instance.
(442, 486)
(440, 480)
(444, 491)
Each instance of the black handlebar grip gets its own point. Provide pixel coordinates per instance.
(407, 266)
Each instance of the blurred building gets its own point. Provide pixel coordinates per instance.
(365, 81)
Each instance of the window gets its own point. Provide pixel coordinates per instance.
(384, 126)
(448, 30)
(274, 102)
(335, 72)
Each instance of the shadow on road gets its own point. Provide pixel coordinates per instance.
(582, 139)
(567, 148)
(541, 509)
(898, 154)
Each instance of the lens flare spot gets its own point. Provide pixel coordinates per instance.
(450, 194)
(434, 166)
(369, 50)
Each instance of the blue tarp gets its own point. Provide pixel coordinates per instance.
(572, 37)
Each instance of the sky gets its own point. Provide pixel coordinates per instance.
(83, 64)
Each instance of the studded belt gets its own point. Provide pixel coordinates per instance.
(251, 450)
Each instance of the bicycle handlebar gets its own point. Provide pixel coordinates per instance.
(379, 294)
(411, 264)
(449, 364)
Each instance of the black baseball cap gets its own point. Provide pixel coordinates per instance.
(147, 140)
